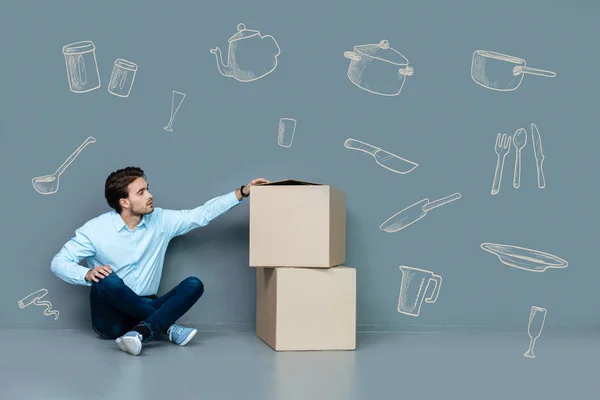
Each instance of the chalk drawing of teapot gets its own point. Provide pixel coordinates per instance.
(250, 56)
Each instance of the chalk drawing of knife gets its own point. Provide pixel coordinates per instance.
(539, 155)
(413, 213)
(384, 158)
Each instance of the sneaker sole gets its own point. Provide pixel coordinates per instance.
(129, 345)
(190, 337)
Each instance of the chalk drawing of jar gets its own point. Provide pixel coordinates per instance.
(82, 68)
(122, 77)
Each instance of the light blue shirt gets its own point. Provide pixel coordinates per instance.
(136, 256)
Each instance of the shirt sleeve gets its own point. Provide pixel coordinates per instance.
(65, 264)
(179, 222)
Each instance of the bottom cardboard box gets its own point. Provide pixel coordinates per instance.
(306, 308)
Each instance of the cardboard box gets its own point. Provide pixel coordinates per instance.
(306, 308)
(297, 224)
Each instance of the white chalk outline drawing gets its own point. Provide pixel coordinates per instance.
(48, 184)
(384, 158)
(77, 73)
(524, 258)
(233, 69)
(519, 141)
(407, 216)
(533, 313)
(538, 153)
(168, 127)
(412, 306)
(283, 135)
(34, 298)
(502, 148)
(519, 69)
(363, 55)
(118, 77)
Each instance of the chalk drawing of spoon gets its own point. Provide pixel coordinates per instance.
(48, 184)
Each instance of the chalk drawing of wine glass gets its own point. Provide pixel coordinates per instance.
(178, 98)
(537, 317)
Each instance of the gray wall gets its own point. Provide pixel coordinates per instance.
(226, 134)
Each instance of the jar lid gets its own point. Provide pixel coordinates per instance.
(82, 47)
(128, 65)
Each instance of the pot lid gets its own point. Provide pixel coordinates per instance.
(382, 51)
(243, 33)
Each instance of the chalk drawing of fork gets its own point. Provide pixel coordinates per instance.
(35, 298)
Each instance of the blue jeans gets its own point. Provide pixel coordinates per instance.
(116, 309)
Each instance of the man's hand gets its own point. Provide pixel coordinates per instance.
(99, 272)
(253, 182)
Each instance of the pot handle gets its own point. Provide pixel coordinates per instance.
(352, 55)
(408, 71)
(519, 69)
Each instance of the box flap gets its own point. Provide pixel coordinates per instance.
(289, 182)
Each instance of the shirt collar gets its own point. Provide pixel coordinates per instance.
(120, 224)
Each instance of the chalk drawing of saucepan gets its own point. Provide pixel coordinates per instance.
(501, 72)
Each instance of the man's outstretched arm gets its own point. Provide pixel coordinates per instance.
(180, 222)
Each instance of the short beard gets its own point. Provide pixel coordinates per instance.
(141, 213)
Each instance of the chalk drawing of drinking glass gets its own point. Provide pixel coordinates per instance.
(286, 131)
(537, 318)
(82, 67)
(35, 299)
(176, 100)
(122, 77)
(414, 287)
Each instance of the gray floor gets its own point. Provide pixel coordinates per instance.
(65, 365)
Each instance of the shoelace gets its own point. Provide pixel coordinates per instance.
(175, 328)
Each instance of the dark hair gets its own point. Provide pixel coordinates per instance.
(116, 185)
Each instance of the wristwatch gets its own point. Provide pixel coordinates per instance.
(242, 191)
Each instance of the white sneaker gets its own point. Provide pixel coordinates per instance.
(131, 342)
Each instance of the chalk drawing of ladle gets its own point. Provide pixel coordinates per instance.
(48, 184)
(34, 298)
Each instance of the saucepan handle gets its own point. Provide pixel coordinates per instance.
(519, 69)
(352, 55)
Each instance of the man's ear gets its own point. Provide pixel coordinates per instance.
(124, 203)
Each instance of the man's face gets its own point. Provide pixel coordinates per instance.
(140, 199)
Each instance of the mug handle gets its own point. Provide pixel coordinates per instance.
(519, 69)
(436, 291)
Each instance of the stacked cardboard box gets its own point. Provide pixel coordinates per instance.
(305, 297)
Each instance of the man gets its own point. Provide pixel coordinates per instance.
(125, 250)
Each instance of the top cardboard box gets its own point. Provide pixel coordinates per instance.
(297, 224)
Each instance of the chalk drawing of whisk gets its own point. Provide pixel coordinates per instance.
(35, 298)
